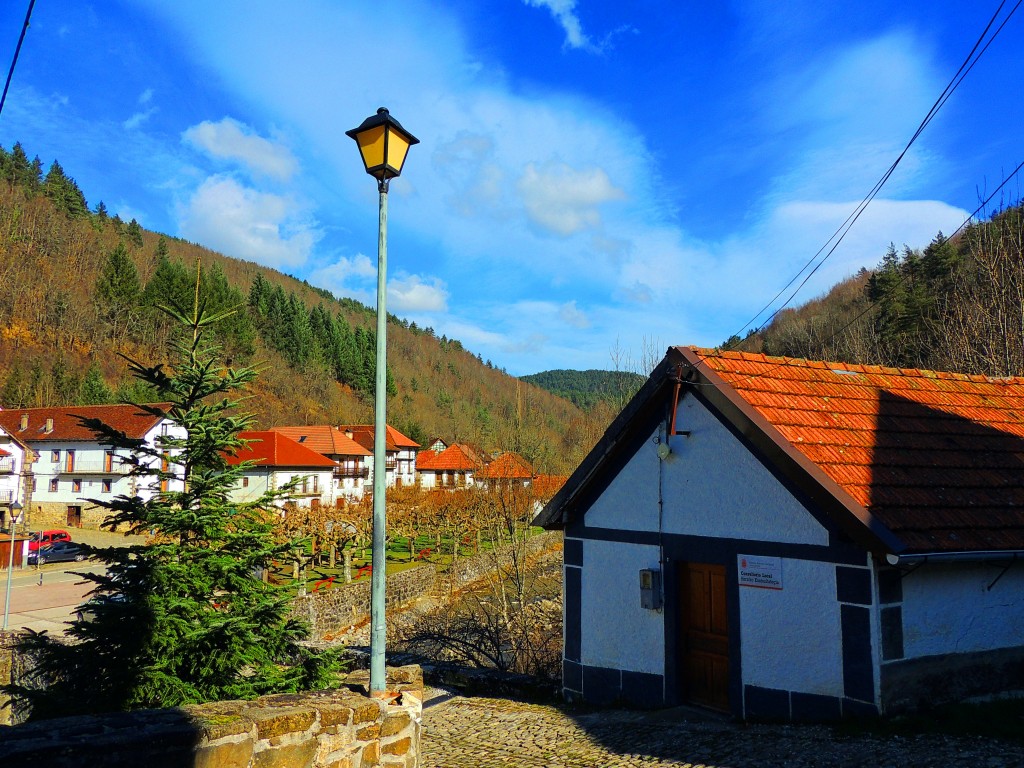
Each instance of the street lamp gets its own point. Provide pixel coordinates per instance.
(383, 144)
(15, 513)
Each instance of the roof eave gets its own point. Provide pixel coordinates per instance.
(557, 512)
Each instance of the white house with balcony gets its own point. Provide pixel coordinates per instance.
(72, 465)
(15, 463)
(277, 460)
(352, 461)
(400, 453)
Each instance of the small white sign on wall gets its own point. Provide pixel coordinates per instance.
(759, 572)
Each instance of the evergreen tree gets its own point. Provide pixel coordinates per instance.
(19, 169)
(64, 383)
(13, 393)
(185, 618)
(94, 390)
(64, 193)
(117, 289)
(134, 233)
(169, 284)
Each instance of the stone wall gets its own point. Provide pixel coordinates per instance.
(8, 675)
(341, 728)
(331, 611)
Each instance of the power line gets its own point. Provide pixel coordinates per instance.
(14, 61)
(965, 67)
(786, 360)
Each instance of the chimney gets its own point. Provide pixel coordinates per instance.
(24, 422)
(349, 434)
(49, 426)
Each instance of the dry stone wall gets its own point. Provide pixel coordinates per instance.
(341, 728)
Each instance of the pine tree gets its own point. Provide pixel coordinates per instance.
(134, 233)
(13, 393)
(94, 390)
(183, 619)
(117, 288)
(64, 193)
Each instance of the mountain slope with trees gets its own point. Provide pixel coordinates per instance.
(84, 288)
(956, 305)
(588, 388)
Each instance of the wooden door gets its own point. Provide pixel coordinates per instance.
(74, 517)
(704, 635)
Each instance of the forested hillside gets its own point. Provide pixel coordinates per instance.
(589, 388)
(82, 287)
(957, 305)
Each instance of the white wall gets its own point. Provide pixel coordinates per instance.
(712, 486)
(630, 503)
(947, 608)
(791, 638)
(618, 632)
(720, 489)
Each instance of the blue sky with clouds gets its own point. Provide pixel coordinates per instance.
(592, 175)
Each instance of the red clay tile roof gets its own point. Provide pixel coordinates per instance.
(546, 486)
(324, 439)
(451, 459)
(272, 449)
(66, 421)
(938, 458)
(363, 434)
(508, 466)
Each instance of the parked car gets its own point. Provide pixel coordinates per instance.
(58, 552)
(46, 538)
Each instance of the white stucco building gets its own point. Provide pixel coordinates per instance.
(72, 464)
(15, 460)
(400, 454)
(278, 460)
(352, 461)
(797, 540)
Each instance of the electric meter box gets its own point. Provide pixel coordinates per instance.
(650, 588)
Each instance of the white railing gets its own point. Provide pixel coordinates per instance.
(6, 465)
(94, 467)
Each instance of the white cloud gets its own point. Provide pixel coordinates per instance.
(414, 293)
(564, 12)
(136, 120)
(146, 96)
(563, 200)
(232, 141)
(571, 315)
(247, 224)
(352, 278)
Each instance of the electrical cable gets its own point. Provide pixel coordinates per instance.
(965, 67)
(17, 51)
(871, 305)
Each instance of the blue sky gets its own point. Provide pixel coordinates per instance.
(592, 176)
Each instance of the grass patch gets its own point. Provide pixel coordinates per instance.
(999, 719)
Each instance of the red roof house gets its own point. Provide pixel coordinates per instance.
(452, 467)
(279, 460)
(798, 539)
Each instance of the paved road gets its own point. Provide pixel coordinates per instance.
(495, 733)
(45, 598)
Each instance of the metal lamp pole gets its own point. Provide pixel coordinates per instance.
(15, 512)
(378, 625)
(383, 145)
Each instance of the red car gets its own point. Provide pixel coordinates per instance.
(46, 538)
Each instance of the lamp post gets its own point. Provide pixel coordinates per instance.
(383, 145)
(15, 512)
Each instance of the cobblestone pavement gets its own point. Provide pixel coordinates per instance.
(491, 733)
